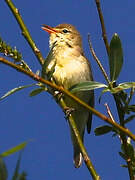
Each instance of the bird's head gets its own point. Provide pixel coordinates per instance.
(63, 34)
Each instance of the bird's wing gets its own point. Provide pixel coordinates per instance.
(49, 63)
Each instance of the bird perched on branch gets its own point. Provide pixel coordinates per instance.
(71, 67)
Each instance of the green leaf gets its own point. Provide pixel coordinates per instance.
(7, 50)
(17, 175)
(130, 118)
(86, 86)
(115, 57)
(22, 176)
(126, 85)
(16, 89)
(16, 172)
(14, 149)
(120, 87)
(131, 108)
(129, 151)
(3, 170)
(37, 91)
(124, 166)
(122, 155)
(102, 130)
(25, 65)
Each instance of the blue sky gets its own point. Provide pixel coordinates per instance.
(49, 154)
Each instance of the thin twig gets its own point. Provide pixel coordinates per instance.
(61, 89)
(104, 35)
(97, 60)
(109, 112)
(25, 31)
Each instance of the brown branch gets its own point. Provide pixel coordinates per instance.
(25, 31)
(61, 102)
(116, 96)
(61, 89)
(109, 112)
(97, 60)
(85, 155)
(104, 35)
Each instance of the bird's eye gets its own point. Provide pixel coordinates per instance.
(65, 30)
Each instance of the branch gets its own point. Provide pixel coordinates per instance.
(61, 89)
(85, 155)
(97, 60)
(109, 111)
(104, 35)
(25, 31)
(119, 105)
(61, 102)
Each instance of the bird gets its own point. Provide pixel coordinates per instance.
(70, 67)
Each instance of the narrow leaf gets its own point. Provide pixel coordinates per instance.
(16, 172)
(3, 170)
(115, 57)
(124, 166)
(131, 108)
(127, 85)
(16, 89)
(14, 149)
(122, 155)
(120, 87)
(86, 86)
(130, 118)
(37, 91)
(102, 130)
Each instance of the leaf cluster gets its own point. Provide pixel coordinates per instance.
(3, 168)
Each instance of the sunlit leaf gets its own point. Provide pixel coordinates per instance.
(86, 86)
(130, 151)
(16, 89)
(14, 149)
(127, 85)
(37, 91)
(25, 65)
(115, 57)
(120, 87)
(102, 130)
(3, 170)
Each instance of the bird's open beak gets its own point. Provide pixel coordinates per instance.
(49, 29)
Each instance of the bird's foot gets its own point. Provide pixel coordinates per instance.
(68, 111)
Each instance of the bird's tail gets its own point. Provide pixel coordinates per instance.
(77, 157)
